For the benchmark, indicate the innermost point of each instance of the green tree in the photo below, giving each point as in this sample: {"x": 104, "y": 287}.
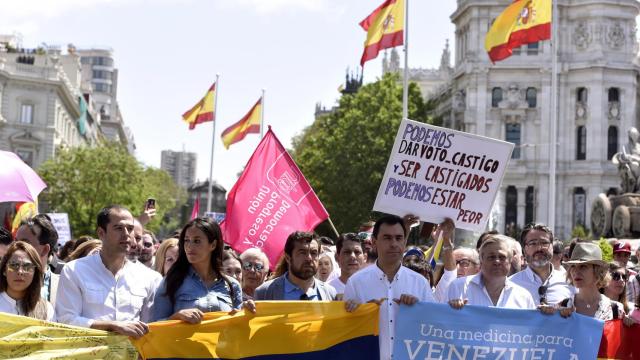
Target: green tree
{"x": 81, "y": 181}
{"x": 344, "y": 154}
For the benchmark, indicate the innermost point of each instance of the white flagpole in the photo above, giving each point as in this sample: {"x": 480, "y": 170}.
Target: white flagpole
{"x": 262, "y": 116}
{"x": 553, "y": 132}
{"x": 213, "y": 142}
{"x": 405, "y": 80}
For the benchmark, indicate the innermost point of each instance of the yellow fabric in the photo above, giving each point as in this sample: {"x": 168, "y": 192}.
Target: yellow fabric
{"x": 26, "y": 338}
{"x": 251, "y": 119}
{"x": 26, "y": 211}
{"x": 278, "y": 327}
{"x": 520, "y": 15}
{"x": 204, "y": 106}
{"x": 389, "y": 20}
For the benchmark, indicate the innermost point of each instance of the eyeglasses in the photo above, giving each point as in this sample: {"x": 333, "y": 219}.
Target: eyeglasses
{"x": 464, "y": 263}
{"x": 616, "y": 276}
{"x": 27, "y": 267}
{"x": 542, "y": 243}
{"x": 542, "y": 291}
{"x": 255, "y": 266}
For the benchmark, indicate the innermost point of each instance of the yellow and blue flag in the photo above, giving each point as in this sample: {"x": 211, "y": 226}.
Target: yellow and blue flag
{"x": 303, "y": 330}
{"x": 432, "y": 254}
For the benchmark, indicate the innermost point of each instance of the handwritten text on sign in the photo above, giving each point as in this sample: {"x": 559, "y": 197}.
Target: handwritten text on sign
{"x": 436, "y": 173}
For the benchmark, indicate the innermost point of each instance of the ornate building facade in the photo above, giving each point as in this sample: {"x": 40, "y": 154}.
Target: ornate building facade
{"x": 510, "y": 100}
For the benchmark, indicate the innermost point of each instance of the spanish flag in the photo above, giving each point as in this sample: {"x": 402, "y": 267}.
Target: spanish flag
{"x": 523, "y": 22}
{"x": 203, "y": 111}
{"x": 384, "y": 27}
{"x": 249, "y": 124}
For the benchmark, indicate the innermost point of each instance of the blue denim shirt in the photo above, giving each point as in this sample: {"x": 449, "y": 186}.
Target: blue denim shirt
{"x": 194, "y": 294}
{"x": 293, "y": 292}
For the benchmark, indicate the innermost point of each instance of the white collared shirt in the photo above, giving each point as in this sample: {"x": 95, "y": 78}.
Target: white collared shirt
{"x": 338, "y": 285}
{"x": 557, "y": 287}
{"x": 88, "y": 291}
{"x": 10, "y": 306}
{"x": 472, "y": 288}
{"x": 371, "y": 283}
{"x": 441, "y": 291}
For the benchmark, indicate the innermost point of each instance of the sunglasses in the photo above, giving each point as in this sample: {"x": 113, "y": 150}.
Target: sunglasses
{"x": 249, "y": 265}
{"x": 616, "y": 276}
{"x": 542, "y": 291}
{"x": 27, "y": 267}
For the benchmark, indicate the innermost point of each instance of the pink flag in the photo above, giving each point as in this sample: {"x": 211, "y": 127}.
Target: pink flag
{"x": 196, "y": 208}
{"x": 271, "y": 200}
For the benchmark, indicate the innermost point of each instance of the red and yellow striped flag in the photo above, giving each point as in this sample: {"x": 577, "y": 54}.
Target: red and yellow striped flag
{"x": 384, "y": 27}
{"x": 249, "y": 124}
{"x": 203, "y": 111}
{"x": 522, "y": 22}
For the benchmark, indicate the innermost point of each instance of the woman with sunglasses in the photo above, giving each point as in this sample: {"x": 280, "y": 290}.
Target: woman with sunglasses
{"x": 196, "y": 284}
{"x": 255, "y": 266}
{"x": 20, "y": 282}
{"x": 616, "y": 289}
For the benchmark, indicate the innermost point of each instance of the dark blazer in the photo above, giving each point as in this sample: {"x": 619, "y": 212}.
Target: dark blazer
{"x": 274, "y": 290}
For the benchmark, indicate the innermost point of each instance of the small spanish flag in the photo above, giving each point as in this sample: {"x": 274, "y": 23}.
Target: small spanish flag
{"x": 249, "y": 124}
{"x": 384, "y": 27}
{"x": 522, "y": 22}
{"x": 203, "y": 111}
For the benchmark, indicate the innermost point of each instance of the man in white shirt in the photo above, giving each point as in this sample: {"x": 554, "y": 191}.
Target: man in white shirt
{"x": 546, "y": 285}
{"x": 387, "y": 282}
{"x": 351, "y": 258}
{"x": 106, "y": 291}
{"x": 490, "y": 287}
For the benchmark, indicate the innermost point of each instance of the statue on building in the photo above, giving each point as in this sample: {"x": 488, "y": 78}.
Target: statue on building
{"x": 619, "y": 215}
{"x": 628, "y": 162}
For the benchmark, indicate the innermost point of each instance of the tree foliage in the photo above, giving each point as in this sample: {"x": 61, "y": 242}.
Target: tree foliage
{"x": 344, "y": 154}
{"x": 81, "y": 181}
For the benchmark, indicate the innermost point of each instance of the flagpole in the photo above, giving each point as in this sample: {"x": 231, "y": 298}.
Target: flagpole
{"x": 405, "y": 81}
{"x": 333, "y": 227}
{"x": 213, "y": 142}
{"x": 262, "y": 116}
{"x": 553, "y": 132}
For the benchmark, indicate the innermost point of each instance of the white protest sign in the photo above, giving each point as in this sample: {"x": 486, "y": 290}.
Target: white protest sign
{"x": 61, "y": 223}
{"x": 436, "y": 173}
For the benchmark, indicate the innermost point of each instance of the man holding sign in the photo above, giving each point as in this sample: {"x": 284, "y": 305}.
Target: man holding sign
{"x": 388, "y": 283}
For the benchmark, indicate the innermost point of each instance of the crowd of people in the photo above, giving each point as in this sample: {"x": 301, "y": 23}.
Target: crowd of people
{"x": 126, "y": 278}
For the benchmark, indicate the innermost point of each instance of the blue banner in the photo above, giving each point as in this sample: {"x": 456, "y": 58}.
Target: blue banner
{"x": 436, "y": 331}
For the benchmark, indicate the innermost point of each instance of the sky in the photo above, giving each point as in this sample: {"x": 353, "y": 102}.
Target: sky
{"x": 168, "y": 53}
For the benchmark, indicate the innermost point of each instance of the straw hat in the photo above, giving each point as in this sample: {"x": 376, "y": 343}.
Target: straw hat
{"x": 586, "y": 253}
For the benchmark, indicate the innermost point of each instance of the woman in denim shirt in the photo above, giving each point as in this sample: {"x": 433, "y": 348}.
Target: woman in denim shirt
{"x": 195, "y": 284}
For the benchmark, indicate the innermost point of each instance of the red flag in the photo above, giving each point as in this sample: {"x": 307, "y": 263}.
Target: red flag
{"x": 271, "y": 200}
{"x": 196, "y": 208}
{"x": 619, "y": 342}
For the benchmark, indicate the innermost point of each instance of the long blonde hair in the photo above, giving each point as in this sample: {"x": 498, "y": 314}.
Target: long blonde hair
{"x": 161, "y": 254}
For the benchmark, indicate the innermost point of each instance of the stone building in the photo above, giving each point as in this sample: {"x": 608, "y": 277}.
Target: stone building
{"x": 181, "y": 165}
{"x": 510, "y": 100}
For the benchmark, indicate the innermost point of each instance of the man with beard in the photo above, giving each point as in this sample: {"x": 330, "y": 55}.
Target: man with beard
{"x": 546, "y": 285}
{"x": 136, "y": 242}
{"x": 147, "y": 248}
{"x": 301, "y": 253}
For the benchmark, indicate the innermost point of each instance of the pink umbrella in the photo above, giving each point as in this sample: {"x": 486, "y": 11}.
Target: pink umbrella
{"x": 18, "y": 182}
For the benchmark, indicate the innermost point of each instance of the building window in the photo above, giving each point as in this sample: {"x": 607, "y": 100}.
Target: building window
{"x": 26, "y": 114}
{"x": 532, "y": 48}
{"x": 614, "y": 95}
{"x": 100, "y": 87}
{"x": 579, "y": 207}
{"x": 612, "y": 142}
{"x": 581, "y": 95}
{"x": 532, "y": 97}
{"x": 511, "y": 208}
{"x": 581, "y": 143}
{"x": 529, "y": 209}
{"x": 26, "y": 156}
{"x": 513, "y": 136}
{"x": 101, "y": 74}
{"x": 496, "y": 97}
